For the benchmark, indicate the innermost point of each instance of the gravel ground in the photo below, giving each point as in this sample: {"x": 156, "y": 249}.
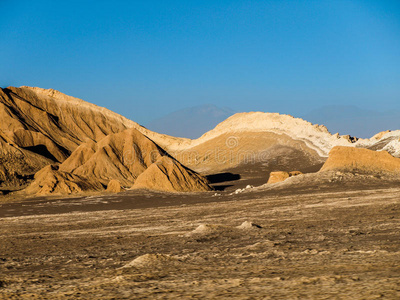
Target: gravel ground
{"x": 317, "y": 244}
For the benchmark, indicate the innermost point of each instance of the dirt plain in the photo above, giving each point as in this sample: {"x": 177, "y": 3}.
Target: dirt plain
{"x": 329, "y": 241}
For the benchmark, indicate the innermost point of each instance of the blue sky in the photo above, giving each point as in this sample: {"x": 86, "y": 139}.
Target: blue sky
{"x": 144, "y": 59}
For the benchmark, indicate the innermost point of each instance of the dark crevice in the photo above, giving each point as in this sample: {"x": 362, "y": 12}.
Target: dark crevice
{"x": 41, "y": 150}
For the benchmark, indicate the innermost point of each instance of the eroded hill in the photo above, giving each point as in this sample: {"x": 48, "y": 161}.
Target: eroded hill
{"x": 82, "y": 141}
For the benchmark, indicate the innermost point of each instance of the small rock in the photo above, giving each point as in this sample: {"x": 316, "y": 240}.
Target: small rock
{"x": 248, "y": 225}
{"x": 114, "y": 186}
{"x": 149, "y": 260}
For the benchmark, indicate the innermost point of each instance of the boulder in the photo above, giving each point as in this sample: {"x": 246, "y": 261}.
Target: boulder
{"x": 114, "y": 186}
{"x": 280, "y": 176}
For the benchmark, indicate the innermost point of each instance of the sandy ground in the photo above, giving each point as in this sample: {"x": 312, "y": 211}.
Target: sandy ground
{"x": 315, "y": 244}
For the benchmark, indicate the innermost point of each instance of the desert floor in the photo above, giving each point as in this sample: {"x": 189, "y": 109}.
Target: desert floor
{"x": 316, "y": 243}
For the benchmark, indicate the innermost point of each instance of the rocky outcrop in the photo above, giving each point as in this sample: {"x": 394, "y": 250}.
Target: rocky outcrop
{"x": 114, "y": 187}
{"x": 121, "y": 156}
{"x": 40, "y": 127}
{"x": 167, "y": 174}
{"x": 349, "y": 159}
{"x": 280, "y": 176}
{"x": 17, "y": 165}
{"x": 131, "y": 158}
{"x": 51, "y": 181}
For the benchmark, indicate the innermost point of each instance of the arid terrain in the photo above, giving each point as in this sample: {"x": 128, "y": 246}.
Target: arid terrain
{"x": 339, "y": 243}
{"x": 264, "y": 206}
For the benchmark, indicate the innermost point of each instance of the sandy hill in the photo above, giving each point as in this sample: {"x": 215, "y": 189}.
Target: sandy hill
{"x": 39, "y": 127}
{"x": 349, "y": 159}
{"x": 167, "y": 174}
{"x": 129, "y": 157}
{"x": 257, "y": 136}
{"x": 250, "y": 138}
{"x": 121, "y": 156}
{"x": 45, "y": 127}
{"x": 345, "y": 167}
{"x": 51, "y": 181}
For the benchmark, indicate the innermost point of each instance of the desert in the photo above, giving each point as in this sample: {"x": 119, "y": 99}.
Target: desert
{"x": 200, "y": 150}
{"x": 263, "y": 206}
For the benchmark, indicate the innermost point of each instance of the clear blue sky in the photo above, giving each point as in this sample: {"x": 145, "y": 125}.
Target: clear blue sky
{"x": 144, "y": 59}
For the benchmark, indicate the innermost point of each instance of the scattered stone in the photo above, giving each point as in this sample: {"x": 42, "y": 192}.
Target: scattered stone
{"x": 206, "y": 229}
{"x": 147, "y": 260}
{"x": 248, "y": 225}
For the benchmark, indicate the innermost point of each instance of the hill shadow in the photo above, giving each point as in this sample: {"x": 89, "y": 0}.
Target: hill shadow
{"x": 217, "y": 179}
{"x": 222, "y": 177}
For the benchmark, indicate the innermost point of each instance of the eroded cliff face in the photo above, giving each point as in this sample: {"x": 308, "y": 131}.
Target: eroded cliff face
{"x": 42, "y": 127}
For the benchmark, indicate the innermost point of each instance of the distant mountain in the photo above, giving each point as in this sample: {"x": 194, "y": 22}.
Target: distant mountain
{"x": 191, "y": 122}
{"x": 353, "y": 120}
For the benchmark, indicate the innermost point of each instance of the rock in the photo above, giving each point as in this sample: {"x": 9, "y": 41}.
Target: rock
{"x": 248, "y": 225}
{"x": 349, "y": 159}
{"x": 50, "y": 180}
{"x": 294, "y": 173}
{"x": 280, "y": 176}
{"x": 114, "y": 186}
{"x": 238, "y": 191}
{"x": 121, "y": 156}
{"x": 167, "y": 174}
{"x": 150, "y": 260}
{"x": 205, "y": 229}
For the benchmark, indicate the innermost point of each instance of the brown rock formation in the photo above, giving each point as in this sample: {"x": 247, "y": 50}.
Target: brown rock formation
{"x": 130, "y": 157}
{"x": 17, "y": 165}
{"x": 348, "y": 159}
{"x": 121, "y": 156}
{"x": 40, "y": 127}
{"x": 50, "y": 180}
{"x": 167, "y": 174}
{"x": 280, "y": 176}
{"x": 114, "y": 186}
